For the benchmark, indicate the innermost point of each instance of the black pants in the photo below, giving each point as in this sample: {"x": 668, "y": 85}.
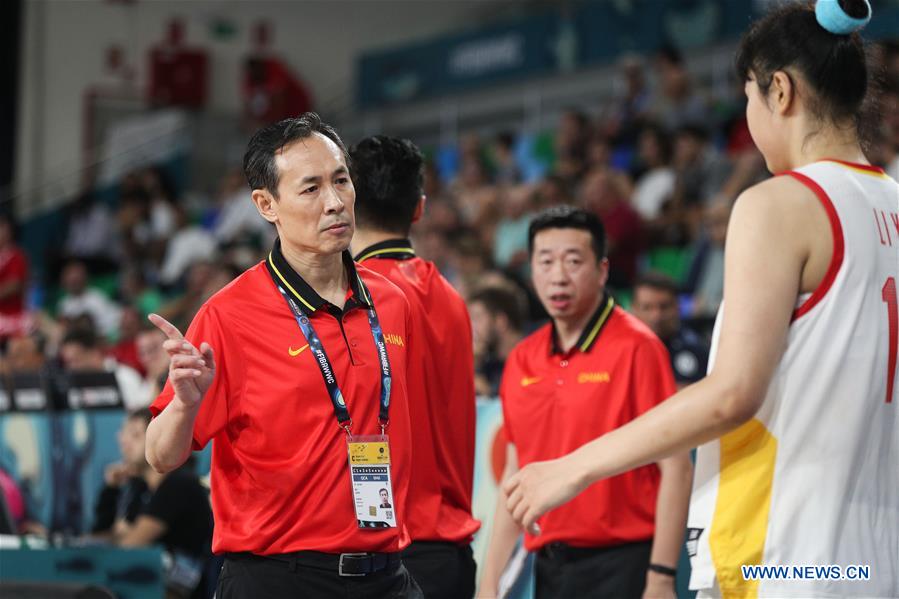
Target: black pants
{"x": 442, "y": 570}
{"x": 246, "y": 576}
{"x": 609, "y": 572}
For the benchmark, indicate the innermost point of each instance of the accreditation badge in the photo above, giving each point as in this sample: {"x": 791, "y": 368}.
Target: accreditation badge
{"x": 372, "y": 488}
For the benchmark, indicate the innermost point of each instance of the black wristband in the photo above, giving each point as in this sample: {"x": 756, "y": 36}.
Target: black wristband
{"x": 660, "y": 569}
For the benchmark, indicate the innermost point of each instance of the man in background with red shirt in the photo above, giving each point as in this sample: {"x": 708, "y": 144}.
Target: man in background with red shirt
{"x": 592, "y": 369}
{"x": 387, "y": 173}
{"x": 13, "y": 280}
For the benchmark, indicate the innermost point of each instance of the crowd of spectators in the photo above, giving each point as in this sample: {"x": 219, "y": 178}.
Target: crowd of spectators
{"x": 661, "y": 165}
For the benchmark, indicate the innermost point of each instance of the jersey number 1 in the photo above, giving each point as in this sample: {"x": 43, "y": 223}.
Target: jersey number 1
{"x": 889, "y": 296}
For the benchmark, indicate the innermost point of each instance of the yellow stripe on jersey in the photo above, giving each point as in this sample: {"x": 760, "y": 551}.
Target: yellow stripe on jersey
{"x": 386, "y": 251}
{"x": 740, "y": 522}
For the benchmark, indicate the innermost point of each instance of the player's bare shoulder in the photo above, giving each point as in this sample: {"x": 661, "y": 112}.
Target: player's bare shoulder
{"x": 781, "y": 204}
{"x": 783, "y": 194}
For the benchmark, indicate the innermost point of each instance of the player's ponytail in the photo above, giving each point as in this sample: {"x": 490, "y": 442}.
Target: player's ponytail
{"x": 822, "y": 44}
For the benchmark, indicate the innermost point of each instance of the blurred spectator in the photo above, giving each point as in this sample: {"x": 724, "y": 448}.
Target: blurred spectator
{"x": 470, "y": 148}
{"x": 162, "y": 218}
{"x": 134, "y": 290}
{"x": 188, "y": 244}
{"x": 471, "y": 267}
{"x": 475, "y": 197}
{"x": 237, "y": 219}
{"x": 655, "y": 302}
{"x": 624, "y": 231}
{"x": 154, "y": 361}
{"x": 91, "y": 236}
{"x": 81, "y": 299}
{"x": 497, "y": 323}
{"x": 125, "y": 349}
{"x": 553, "y": 191}
{"x": 17, "y": 506}
{"x": 139, "y": 507}
{"x": 132, "y": 220}
{"x": 505, "y": 169}
{"x": 441, "y": 215}
{"x": 572, "y": 135}
{"x": 26, "y": 353}
{"x": 656, "y": 183}
{"x": 599, "y": 157}
{"x": 432, "y": 186}
{"x": 433, "y": 245}
{"x": 13, "y": 280}
{"x": 599, "y": 152}
{"x": 571, "y": 141}
{"x": 222, "y": 274}
{"x": 633, "y": 103}
{"x": 510, "y": 240}
{"x": 180, "y": 310}
{"x": 146, "y": 217}
{"x": 13, "y": 500}
{"x": 701, "y": 170}
{"x": 81, "y": 351}
{"x": 706, "y": 276}
{"x": 677, "y": 104}
{"x": 203, "y": 280}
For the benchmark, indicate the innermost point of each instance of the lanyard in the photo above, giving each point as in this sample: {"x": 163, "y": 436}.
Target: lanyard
{"x": 324, "y": 364}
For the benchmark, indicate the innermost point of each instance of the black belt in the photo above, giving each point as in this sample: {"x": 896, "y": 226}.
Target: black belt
{"x": 562, "y": 552}
{"x": 345, "y": 564}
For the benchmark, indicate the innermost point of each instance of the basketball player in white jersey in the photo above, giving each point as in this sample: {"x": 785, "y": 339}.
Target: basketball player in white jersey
{"x": 797, "y": 422}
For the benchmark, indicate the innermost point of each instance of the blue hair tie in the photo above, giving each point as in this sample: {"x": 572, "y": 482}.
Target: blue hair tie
{"x": 834, "y": 19}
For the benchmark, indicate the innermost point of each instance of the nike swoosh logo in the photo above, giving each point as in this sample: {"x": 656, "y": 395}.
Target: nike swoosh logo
{"x": 528, "y": 381}
{"x": 296, "y": 352}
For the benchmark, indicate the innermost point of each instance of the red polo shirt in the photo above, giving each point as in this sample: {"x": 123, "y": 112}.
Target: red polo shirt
{"x": 441, "y": 395}
{"x": 553, "y": 403}
{"x": 280, "y": 479}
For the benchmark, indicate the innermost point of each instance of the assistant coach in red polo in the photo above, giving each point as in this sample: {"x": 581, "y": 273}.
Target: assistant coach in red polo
{"x": 592, "y": 369}
{"x": 387, "y": 173}
{"x": 288, "y": 370}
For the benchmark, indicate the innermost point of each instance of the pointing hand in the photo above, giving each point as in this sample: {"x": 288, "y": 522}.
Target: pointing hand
{"x": 191, "y": 370}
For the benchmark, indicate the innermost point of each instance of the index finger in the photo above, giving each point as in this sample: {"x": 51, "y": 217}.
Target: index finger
{"x": 170, "y": 330}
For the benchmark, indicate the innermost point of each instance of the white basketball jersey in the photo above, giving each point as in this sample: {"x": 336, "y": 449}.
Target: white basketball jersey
{"x": 813, "y": 479}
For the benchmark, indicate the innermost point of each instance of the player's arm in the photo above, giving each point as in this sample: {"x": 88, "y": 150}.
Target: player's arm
{"x": 671, "y": 521}
{"x": 503, "y": 536}
{"x": 170, "y": 434}
{"x": 767, "y": 248}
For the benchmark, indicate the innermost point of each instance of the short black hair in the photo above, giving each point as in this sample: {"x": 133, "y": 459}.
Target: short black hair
{"x": 505, "y": 301}
{"x": 388, "y": 174}
{"x": 569, "y": 217}
{"x": 657, "y": 280}
{"x": 259, "y": 161}
{"x": 833, "y": 65}
{"x": 83, "y": 336}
